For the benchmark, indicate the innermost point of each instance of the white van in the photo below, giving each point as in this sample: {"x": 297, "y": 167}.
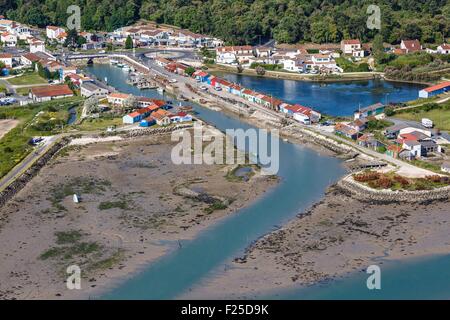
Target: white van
{"x": 427, "y": 123}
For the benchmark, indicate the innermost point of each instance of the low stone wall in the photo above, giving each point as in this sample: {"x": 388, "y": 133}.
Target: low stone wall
{"x": 30, "y": 173}
{"x": 156, "y": 131}
{"x": 365, "y": 193}
{"x": 328, "y": 143}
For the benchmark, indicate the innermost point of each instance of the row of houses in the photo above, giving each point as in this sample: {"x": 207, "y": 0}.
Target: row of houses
{"x": 149, "y": 34}
{"x": 302, "y": 114}
{"x": 432, "y": 91}
{"x": 296, "y": 60}
{"x": 148, "y": 111}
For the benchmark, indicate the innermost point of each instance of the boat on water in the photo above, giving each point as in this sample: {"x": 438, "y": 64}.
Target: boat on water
{"x": 126, "y": 68}
{"x": 112, "y": 61}
{"x": 160, "y": 90}
{"x": 120, "y": 65}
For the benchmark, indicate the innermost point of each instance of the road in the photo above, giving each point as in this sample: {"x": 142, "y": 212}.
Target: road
{"x": 27, "y": 162}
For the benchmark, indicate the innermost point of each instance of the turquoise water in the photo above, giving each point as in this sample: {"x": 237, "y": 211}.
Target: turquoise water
{"x": 338, "y": 99}
{"x": 410, "y": 279}
{"x": 304, "y": 176}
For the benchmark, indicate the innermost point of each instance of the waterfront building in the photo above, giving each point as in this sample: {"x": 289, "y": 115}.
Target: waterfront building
{"x": 373, "y": 110}
{"x": 352, "y": 47}
{"x": 435, "y": 90}
{"x": 89, "y": 89}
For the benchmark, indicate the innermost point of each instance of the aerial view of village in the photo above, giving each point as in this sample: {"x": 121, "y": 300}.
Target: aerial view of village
{"x": 224, "y": 150}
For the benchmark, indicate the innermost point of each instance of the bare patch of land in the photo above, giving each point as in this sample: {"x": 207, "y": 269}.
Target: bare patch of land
{"x": 7, "y": 125}
{"x": 337, "y": 236}
{"x": 135, "y": 205}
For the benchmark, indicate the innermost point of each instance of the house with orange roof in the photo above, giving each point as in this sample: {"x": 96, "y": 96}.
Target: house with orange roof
{"x": 162, "y": 117}
{"x": 53, "y": 32}
{"x": 440, "y": 88}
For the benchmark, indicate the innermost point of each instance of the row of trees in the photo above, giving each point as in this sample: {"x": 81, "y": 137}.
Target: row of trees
{"x": 252, "y": 21}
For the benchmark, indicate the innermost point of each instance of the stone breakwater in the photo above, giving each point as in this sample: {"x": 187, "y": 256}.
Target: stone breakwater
{"x": 367, "y": 194}
{"x": 31, "y": 172}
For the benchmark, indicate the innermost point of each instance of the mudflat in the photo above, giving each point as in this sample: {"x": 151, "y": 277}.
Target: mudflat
{"x": 134, "y": 206}
{"x": 337, "y": 236}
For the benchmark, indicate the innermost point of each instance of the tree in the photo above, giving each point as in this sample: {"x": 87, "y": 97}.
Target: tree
{"x": 377, "y": 47}
{"x": 129, "y": 43}
{"x": 91, "y": 105}
{"x": 130, "y": 103}
{"x": 260, "y": 70}
{"x": 189, "y": 71}
{"x": 239, "y": 68}
{"x": 71, "y": 39}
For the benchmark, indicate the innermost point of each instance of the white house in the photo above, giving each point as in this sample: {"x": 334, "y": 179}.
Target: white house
{"x": 352, "y": 47}
{"x": 37, "y": 45}
{"x": 6, "y": 58}
{"x": 443, "y": 49}
{"x": 117, "y": 98}
{"x": 8, "y": 39}
{"x": 54, "y": 32}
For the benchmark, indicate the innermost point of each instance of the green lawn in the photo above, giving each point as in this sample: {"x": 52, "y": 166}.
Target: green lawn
{"x": 98, "y": 124}
{"x": 27, "y": 79}
{"x": 440, "y": 117}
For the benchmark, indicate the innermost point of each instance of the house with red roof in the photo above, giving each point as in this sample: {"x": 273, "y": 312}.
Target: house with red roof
{"x": 440, "y": 88}
{"x": 410, "y": 46}
{"x": 47, "y": 93}
{"x": 180, "y": 117}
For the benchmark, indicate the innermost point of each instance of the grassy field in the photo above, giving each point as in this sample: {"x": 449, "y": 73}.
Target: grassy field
{"x": 98, "y": 124}
{"x": 440, "y": 117}
{"x": 35, "y": 120}
{"x": 27, "y": 79}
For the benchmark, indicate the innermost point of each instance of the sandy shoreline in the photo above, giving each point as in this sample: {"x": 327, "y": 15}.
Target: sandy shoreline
{"x": 336, "y": 237}
{"x": 135, "y": 206}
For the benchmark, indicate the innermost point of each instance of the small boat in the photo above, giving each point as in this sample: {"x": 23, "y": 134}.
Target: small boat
{"x": 160, "y": 90}
{"x": 120, "y": 65}
{"x": 126, "y": 68}
{"x": 112, "y": 61}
